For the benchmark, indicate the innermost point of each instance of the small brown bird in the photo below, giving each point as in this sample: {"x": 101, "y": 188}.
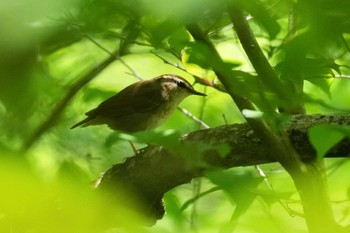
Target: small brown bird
{"x": 141, "y": 106}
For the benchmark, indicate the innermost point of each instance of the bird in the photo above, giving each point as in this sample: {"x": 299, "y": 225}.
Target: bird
{"x": 141, "y": 106}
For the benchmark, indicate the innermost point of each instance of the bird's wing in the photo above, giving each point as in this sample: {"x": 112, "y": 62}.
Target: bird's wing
{"x": 130, "y": 100}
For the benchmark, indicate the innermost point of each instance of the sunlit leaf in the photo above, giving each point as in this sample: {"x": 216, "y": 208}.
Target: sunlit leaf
{"x": 325, "y": 137}
{"x": 322, "y": 83}
{"x": 251, "y": 113}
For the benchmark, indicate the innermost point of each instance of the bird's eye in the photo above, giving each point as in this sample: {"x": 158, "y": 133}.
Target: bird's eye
{"x": 181, "y": 84}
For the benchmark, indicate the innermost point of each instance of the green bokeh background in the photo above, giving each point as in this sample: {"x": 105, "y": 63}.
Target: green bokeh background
{"x": 44, "y": 50}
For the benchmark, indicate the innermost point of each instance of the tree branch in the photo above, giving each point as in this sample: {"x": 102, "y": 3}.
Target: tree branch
{"x": 309, "y": 177}
{"x": 256, "y": 56}
{"x": 153, "y": 172}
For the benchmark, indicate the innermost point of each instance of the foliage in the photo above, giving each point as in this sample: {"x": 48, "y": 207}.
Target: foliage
{"x": 61, "y": 58}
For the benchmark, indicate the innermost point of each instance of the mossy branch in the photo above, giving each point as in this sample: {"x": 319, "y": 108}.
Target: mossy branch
{"x": 155, "y": 171}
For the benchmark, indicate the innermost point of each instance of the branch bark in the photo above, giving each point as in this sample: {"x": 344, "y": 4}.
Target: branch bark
{"x": 156, "y": 170}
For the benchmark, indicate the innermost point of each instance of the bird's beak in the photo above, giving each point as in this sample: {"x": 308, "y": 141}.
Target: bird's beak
{"x": 198, "y": 93}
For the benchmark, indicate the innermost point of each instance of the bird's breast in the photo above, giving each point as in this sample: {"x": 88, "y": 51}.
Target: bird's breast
{"x": 161, "y": 115}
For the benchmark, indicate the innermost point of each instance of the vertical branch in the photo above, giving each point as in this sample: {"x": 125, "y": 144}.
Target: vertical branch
{"x": 256, "y": 56}
{"x": 313, "y": 191}
{"x": 276, "y": 146}
{"x": 200, "y": 36}
{"x": 309, "y": 178}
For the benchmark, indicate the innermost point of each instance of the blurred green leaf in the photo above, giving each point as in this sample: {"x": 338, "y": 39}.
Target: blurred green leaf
{"x": 173, "y": 208}
{"x": 325, "y": 137}
{"x": 262, "y": 16}
{"x": 179, "y": 40}
{"x": 166, "y": 138}
{"x": 322, "y": 83}
{"x": 200, "y": 54}
{"x": 129, "y": 34}
{"x": 28, "y": 203}
{"x": 238, "y": 185}
{"x": 223, "y": 149}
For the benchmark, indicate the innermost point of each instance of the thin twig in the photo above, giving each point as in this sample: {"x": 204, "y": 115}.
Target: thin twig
{"x": 196, "y": 119}
{"x": 270, "y": 187}
{"x": 197, "y": 79}
{"x": 342, "y": 76}
{"x": 168, "y": 62}
{"x": 225, "y": 119}
{"x": 196, "y": 188}
{"x": 200, "y": 195}
{"x": 133, "y": 72}
{"x": 345, "y": 43}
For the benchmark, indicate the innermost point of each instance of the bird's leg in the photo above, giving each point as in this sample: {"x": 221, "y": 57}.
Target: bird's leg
{"x": 133, "y": 148}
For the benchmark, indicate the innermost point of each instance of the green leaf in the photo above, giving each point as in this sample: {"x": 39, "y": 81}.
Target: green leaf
{"x": 262, "y": 16}
{"x": 174, "y": 208}
{"x": 223, "y": 150}
{"x": 237, "y": 184}
{"x": 323, "y": 84}
{"x": 325, "y": 137}
{"x": 167, "y": 138}
{"x": 253, "y": 114}
{"x": 178, "y": 40}
{"x": 200, "y": 54}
